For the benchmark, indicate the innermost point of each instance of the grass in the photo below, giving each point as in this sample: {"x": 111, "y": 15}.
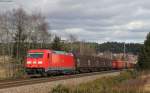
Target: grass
{"x": 126, "y": 82}
{"x": 11, "y": 70}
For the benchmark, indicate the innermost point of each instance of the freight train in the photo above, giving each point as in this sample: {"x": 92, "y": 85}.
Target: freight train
{"x": 48, "y": 62}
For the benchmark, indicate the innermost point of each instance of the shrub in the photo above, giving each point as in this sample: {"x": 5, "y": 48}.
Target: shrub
{"x": 60, "y": 89}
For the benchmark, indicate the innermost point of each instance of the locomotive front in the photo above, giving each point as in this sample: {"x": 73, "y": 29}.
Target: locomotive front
{"x": 36, "y": 61}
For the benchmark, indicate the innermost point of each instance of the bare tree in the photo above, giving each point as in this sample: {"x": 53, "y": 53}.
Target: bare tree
{"x": 5, "y": 35}
{"x": 27, "y": 30}
{"x": 87, "y": 48}
{"x": 19, "y": 31}
{"x": 5, "y": 41}
{"x": 23, "y": 29}
{"x": 72, "y": 39}
{"x": 39, "y": 30}
{"x": 19, "y": 22}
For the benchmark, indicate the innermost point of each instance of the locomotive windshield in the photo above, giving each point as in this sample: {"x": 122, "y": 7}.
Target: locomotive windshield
{"x": 35, "y": 55}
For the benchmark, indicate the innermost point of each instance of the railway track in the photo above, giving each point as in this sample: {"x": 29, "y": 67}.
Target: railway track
{"x": 21, "y": 82}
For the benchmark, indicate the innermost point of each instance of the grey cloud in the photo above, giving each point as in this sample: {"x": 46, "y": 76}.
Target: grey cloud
{"x": 99, "y": 20}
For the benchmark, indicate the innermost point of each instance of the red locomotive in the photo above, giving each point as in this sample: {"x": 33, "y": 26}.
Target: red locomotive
{"x": 46, "y": 62}
{"x": 41, "y": 61}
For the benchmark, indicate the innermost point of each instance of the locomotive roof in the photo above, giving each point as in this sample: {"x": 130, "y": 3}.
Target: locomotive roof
{"x": 39, "y": 50}
{"x": 47, "y": 50}
{"x": 60, "y": 52}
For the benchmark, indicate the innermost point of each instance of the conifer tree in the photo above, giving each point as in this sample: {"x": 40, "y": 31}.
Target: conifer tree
{"x": 144, "y": 56}
{"x": 56, "y": 44}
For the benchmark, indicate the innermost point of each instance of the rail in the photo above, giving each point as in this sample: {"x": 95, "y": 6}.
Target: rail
{"x": 21, "y": 82}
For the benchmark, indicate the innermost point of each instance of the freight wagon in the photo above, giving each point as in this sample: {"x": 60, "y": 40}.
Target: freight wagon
{"x": 91, "y": 63}
{"x": 118, "y": 64}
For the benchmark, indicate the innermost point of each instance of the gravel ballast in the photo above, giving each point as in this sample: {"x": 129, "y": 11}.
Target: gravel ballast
{"x": 46, "y": 87}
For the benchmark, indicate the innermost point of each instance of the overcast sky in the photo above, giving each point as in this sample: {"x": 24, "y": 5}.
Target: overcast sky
{"x": 92, "y": 20}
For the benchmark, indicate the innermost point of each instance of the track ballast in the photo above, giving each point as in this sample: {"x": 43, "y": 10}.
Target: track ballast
{"x": 22, "y": 82}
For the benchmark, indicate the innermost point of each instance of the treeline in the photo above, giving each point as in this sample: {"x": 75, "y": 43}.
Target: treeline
{"x": 116, "y": 47}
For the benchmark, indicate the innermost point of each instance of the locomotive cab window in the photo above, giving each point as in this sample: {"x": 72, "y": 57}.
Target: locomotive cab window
{"x": 35, "y": 55}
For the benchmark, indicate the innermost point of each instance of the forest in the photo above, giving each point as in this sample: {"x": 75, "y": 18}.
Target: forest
{"x": 118, "y": 47}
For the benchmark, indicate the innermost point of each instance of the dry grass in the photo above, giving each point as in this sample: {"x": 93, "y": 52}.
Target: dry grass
{"x": 146, "y": 77}
{"x": 6, "y": 59}
{"x": 9, "y": 67}
{"x": 7, "y": 71}
{"x": 127, "y": 82}
{"x": 130, "y": 86}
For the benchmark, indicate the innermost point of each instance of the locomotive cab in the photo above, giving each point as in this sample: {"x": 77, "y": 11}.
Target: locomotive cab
{"x": 37, "y": 61}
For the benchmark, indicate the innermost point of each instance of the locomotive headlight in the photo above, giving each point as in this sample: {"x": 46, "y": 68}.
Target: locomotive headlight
{"x": 28, "y": 62}
{"x": 40, "y": 62}
{"x": 34, "y": 62}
